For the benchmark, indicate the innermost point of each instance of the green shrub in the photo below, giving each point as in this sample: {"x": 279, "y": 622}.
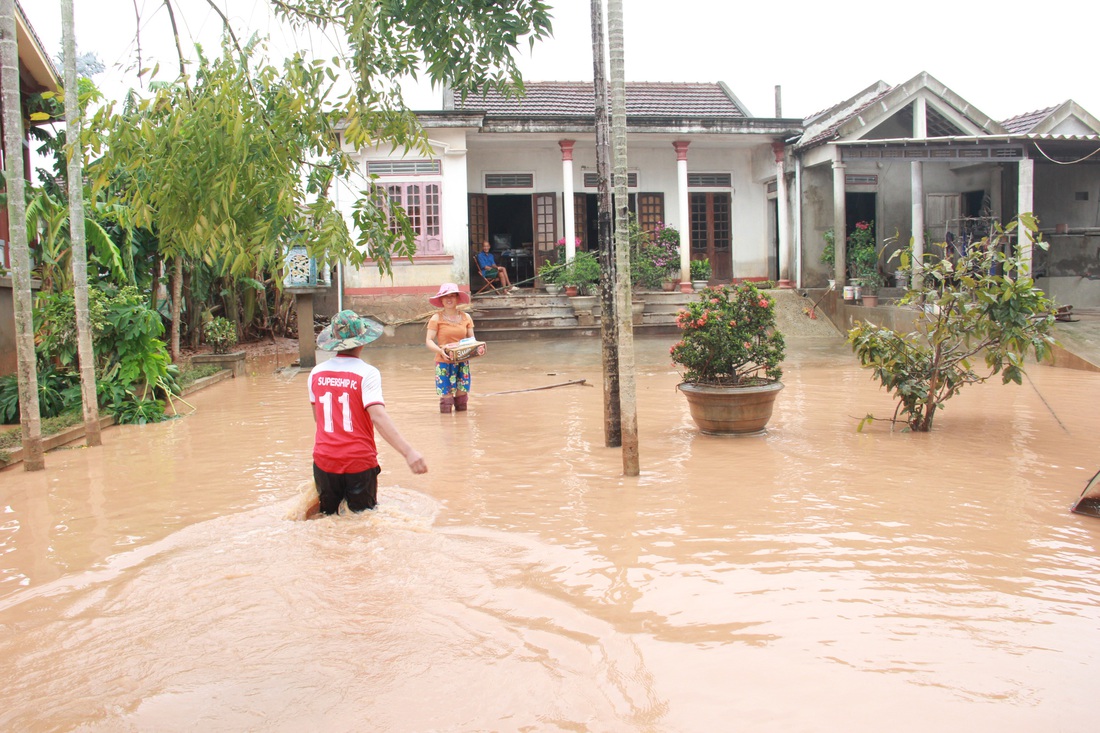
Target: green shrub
{"x": 220, "y": 333}
{"x": 700, "y": 269}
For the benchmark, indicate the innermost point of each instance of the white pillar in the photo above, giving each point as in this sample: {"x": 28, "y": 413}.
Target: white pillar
{"x": 1025, "y": 204}
{"x": 567, "y": 186}
{"x": 840, "y": 221}
{"x": 920, "y": 118}
{"x": 784, "y": 229}
{"x": 798, "y": 222}
{"x": 681, "y": 147}
{"x": 916, "y": 196}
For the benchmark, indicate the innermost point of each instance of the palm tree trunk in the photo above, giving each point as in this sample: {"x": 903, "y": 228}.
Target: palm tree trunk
{"x": 609, "y": 324}
{"x": 33, "y": 458}
{"x": 627, "y": 382}
{"x": 177, "y": 299}
{"x": 76, "y": 230}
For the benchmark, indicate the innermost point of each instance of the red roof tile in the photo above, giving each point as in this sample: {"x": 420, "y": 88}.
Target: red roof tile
{"x": 577, "y": 99}
{"x": 1025, "y": 123}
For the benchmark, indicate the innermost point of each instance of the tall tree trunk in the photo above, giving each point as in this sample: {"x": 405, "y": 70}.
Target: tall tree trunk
{"x": 76, "y": 231}
{"x": 33, "y": 457}
{"x": 177, "y": 295}
{"x": 627, "y": 382}
{"x": 609, "y": 324}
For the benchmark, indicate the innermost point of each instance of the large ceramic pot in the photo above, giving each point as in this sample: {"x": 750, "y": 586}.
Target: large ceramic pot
{"x": 731, "y": 410}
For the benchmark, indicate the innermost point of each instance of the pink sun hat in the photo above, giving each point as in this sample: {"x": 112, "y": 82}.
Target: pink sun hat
{"x": 448, "y": 289}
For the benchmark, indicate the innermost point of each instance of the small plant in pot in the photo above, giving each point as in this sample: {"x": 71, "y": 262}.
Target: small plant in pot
{"x": 870, "y": 282}
{"x": 220, "y": 333}
{"x": 582, "y": 272}
{"x": 700, "y": 273}
{"x": 730, "y": 351}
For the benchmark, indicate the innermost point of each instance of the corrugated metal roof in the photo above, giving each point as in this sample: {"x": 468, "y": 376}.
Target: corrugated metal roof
{"x": 1026, "y": 122}
{"x": 578, "y": 99}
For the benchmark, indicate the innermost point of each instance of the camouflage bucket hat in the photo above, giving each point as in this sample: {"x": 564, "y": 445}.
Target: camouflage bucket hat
{"x": 348, "y": 330}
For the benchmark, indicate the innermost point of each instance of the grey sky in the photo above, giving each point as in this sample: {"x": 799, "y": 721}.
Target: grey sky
{"x": 1004, "y": 58}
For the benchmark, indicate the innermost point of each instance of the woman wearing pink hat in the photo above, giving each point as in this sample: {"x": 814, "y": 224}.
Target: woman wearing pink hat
{"x": 452, "y": 379}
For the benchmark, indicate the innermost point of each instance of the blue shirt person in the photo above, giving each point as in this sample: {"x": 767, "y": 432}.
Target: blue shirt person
{"x": 490, "y": 270}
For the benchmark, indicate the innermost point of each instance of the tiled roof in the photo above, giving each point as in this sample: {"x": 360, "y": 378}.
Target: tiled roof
{"x": 577, "y": 99}
{"x": 830, "y": 132}
{"x": 1024, "y": 123}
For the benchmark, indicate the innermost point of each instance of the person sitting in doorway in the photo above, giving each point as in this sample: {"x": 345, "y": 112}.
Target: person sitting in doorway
{"x": 490, "y": 270}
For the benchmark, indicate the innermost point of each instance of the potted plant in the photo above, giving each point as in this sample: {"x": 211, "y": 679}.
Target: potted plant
{"x": 700, "y": 274}
{"x": 730, "y": 351}
{"x": 828, "y": 255}
{"x": 583, "y": 271}
{"x": 861, "y": 254}
{"x": 551, "y": 275}
{"x": 870, "y": 282}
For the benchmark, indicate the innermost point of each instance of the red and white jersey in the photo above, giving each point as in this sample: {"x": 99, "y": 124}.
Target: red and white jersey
{"x": 340, "y": 391}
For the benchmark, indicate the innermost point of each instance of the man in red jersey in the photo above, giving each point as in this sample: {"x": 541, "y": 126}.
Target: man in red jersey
{"x": 346, "y": 395}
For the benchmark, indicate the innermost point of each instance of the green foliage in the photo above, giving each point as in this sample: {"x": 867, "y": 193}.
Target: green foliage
{"x": 984, "y": 304}
{"x": 53, "y": 385}
{"x": 860, "y": 255}
{"x": 139, "y": 411}
{"x": 654, "y": 255}
{"x": 553, "y": 270}
{"x": 583, "y": 270}
{"x": 729, "y": 337}
{"x": 828, "y": 254}
{"x": 125, "y": 338}
{"x": 700, "y": 269}
{"x": 220, "y": 333}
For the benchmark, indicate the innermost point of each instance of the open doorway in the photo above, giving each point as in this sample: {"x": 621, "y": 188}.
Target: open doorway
{"x": 858, "y": 207}
{"x": 511, "y": 232}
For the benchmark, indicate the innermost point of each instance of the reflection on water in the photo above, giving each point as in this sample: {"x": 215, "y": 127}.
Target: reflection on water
{"x": 813, "y": 578}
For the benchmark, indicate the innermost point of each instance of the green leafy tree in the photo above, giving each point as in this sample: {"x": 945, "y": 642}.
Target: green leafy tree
{"x": 983, "y": 306}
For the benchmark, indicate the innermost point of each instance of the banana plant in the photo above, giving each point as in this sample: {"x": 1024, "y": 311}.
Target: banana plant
{"x": 48, "y": 224}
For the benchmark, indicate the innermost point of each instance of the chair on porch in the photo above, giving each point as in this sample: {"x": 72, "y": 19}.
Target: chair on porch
{"x": 478, "y": 278}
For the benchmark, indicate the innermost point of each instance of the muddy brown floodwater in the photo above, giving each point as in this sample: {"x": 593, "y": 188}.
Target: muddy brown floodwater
{"x": 810, "y": 579}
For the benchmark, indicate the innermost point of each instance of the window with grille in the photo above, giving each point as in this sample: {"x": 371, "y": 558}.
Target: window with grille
{"x": 592, "y": 180}
{"x": 422, "y": 203}
{"x": 509, "y": 180}
{"x": 710, "y": 180}
{"x": 402, "y": 167}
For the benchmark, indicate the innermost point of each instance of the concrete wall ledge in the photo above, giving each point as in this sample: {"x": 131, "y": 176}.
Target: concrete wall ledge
{"x": 76, "y": 432}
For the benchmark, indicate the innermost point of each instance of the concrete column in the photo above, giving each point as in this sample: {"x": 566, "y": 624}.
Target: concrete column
{"x": 920, "y": 118}
{"x": 1025, "y": 204}
{"x": 996, "y": 184}
{"x": 916, "y": 223}
{"x": 307, "y": 343}
{"x": 681, "y": 147}
{"x": 784, "y": 229}
{"x": 797, "y": 230}
{"x": 567, "y": 186}
{"x": 840, "y": 221}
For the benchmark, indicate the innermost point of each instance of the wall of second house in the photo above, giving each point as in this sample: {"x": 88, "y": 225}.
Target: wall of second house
{"x": 893, "y": 205}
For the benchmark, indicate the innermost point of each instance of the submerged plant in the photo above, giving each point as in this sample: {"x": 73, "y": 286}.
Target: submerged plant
{"x": 982, "y": 306}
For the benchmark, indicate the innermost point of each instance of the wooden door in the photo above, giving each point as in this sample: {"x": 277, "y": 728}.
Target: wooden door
{"x": 712, "y": 233}
{"x": 544, "y": 215}
{"x": 580, "y": 219}
{"x": 478, "y": 226}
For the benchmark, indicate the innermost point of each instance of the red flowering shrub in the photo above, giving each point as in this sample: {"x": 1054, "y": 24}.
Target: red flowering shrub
{"x": 728, "y": 337}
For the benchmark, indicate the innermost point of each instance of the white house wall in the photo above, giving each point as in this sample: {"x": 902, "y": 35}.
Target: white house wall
{"x": 449, "y": 146}
{"x": 655, "y": 166}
